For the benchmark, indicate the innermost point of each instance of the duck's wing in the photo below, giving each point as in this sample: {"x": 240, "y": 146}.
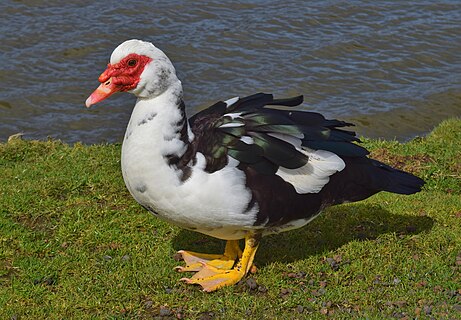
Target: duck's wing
{"x": 252, "y": 131}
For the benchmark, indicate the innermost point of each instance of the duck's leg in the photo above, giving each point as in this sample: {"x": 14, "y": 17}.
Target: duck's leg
{"x": 194, "y": 260}
{"x": 212, "y": 278}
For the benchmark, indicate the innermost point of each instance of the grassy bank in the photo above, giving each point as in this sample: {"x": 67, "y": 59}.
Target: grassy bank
{"x": 73, "y": 244}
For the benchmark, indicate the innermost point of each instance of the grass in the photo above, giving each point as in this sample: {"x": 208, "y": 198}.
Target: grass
{"x": 73, "y": 244}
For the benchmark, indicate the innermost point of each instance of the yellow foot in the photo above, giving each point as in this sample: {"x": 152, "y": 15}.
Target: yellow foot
{"x": 212, "y": 277}
{"x": 194, "y": 260}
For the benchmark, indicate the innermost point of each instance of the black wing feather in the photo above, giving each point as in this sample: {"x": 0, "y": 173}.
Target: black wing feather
{"x": 218, "y": 135}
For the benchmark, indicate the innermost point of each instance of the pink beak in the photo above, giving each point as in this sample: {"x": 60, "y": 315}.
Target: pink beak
{"x": 104, "y": 91}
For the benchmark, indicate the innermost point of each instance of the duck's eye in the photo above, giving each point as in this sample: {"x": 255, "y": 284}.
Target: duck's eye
{"x": 132, "y": 62}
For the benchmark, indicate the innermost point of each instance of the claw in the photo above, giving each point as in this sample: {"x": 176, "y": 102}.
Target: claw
{"x": 191, "y": 268}
{"x": 179, "y": 269}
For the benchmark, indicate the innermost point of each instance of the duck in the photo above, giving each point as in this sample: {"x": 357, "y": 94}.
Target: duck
{"x": 243, "y": 168}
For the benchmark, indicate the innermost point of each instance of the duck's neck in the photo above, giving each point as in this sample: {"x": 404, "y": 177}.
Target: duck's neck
{"x": 159, "y": 129}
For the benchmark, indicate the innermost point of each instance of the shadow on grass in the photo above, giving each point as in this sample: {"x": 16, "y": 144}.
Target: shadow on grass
{"x": 331, "y": 230}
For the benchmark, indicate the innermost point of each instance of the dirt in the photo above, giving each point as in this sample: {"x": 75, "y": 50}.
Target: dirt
{"x": 40, "y": 223}
{"x": 413, "y": 164}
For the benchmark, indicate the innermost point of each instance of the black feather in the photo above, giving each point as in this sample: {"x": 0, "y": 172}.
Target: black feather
{"x": 289, "y": 102}
{"x": 263, "y": 167}
{"x": 256, "y": 101}
{"x": 397, "y": 181}
{"x": 279, "y": 152}
{"x": 340, "y": 148}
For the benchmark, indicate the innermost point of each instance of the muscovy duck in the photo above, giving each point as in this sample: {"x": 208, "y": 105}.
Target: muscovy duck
{"x": 241, "y": 169}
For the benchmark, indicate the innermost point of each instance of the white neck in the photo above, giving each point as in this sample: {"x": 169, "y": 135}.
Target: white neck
{"x": 158, "y": 116}
{"x": 154, "y": 135}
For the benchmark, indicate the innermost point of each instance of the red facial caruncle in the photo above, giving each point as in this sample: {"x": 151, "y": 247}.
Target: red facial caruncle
{"x": 121, "y": 76}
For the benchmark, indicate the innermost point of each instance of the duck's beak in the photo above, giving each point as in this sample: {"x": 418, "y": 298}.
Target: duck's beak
{"x": 104, "y": 91}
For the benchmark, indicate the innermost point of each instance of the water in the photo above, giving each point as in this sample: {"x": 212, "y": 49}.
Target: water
{"x": 392, "y": 67}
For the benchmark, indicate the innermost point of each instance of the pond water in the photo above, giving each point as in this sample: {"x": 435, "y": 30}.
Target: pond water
{"x": 392, "y": 67}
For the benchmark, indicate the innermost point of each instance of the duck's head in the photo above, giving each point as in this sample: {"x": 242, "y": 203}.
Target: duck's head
{"x": 137, "y": 67}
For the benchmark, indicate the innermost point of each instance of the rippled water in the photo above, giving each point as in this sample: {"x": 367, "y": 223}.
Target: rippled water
{"x": 392, "y": 67}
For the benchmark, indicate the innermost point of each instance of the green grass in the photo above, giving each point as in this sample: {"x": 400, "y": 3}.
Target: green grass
{"x": 73, "y": 244}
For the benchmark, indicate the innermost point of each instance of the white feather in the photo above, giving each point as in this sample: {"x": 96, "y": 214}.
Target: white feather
{"x": 311, "y": 177}
{"x": 232, "y": 162}
{"x": 232, "y": 125}
{"x": 135, "y": 46}
{"x": 231, "y": 101}
{"x": 233, "y": 115}
{"x": 247, "y": 140}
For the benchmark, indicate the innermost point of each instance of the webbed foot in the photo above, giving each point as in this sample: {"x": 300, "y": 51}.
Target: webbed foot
{"x": 217, "y": 271}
